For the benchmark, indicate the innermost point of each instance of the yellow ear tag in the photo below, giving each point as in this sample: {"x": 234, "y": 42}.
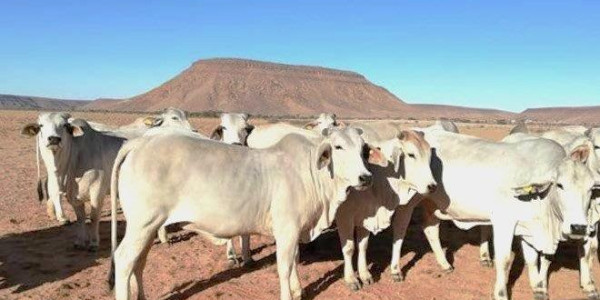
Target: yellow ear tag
{"x": 529, "y": 189}
{"x": 148, "y": 121}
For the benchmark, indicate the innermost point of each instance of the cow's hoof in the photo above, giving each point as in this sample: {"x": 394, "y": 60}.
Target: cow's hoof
{"x": 232, "y": 263}
{"x": 64, "y": 222}
{"x": 367, "y": 280}
{"x": 398, "y": 277}
{"x": 448, "y": 270}
{"x": 487, "y": 263}
{"x": 593, "y": 295}
{"x": 540, "y": 296}
{"x": 355, "y": 285}
{"x": 250, "y": 263}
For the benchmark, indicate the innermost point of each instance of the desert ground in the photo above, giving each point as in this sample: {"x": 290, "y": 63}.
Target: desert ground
{"x": 38, "y": 261}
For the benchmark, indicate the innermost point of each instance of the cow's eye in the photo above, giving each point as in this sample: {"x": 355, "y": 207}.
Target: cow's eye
{"x": 411, "y": 155}
{"x": 596, "y": 147}
{"x": 339, "y": 148}
{"x": 560, "y": 186}
{"x": 175, "y": 118}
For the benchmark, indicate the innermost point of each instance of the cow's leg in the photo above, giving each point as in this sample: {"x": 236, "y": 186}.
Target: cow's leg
{"x": 53, "y": 206}
{"x": 535, "y": 281}
{"x": 245, "y": 245}
{"x": 138, "y": 272}
{"x": 544, "y": 267}
{"x": 431, "y": 228}
{"x": 134, "y": 245}
{"x": 503, "y": 236}
{"x": 232, "y": 260}
{"x": 82, "y": 233}
{"x": 162, "y": 235}
{"x": 485, "y": 259}
{"x": 286, "y": 243}
{"x": 295, "y": 285}
{"x": 586, "y": 280}
{"x": 362, "y": 235}
{"x": 400, "y": 224}
{"x": 96, "y": 200}
{"x": 346, "y": 234}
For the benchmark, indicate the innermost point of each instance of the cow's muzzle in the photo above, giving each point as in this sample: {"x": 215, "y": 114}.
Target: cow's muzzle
{"x": 364, "y": 182}
{"x": 53, "y": 141}
{"x": 578, "y": 229}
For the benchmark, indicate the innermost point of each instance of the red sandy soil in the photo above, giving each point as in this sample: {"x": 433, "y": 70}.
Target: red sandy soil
{"x": 37, "y": 260}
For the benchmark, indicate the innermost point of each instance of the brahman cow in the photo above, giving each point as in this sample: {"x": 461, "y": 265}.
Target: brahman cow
{"x": 527, "y": 188}
{"x": 290, "y": 191}
{"x": 79, "y": 161}
{"x": 583, "y": 145}
{"x": 371, "y": 210}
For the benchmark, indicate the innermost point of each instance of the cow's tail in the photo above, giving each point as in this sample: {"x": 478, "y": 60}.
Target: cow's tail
{"x": 114, "y": 194}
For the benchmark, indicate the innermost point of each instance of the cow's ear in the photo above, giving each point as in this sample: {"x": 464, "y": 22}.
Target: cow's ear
{"x": 340, "y": 124}
{"x": 74, "y": 130}
{"x": 532, "y": 189}
{"x": 359, "y": 131}
{"x": 217, "y": 133}
{"x": 249, "y": 129}
{"x": 420, "y": 133}
{"x": 324, "y": 155}
{"x": 580, "y": 153}
{"x": 31, "y": 129}
{"x": 374, "y": 156}
{"x": 310, "y": 125}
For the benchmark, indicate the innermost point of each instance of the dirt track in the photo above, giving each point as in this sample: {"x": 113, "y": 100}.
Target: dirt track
{"x": 37, "y": 260}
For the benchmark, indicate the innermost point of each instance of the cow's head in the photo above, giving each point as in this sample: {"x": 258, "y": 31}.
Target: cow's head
{"x": 574, "y": 184}
{"x": 234, "y": 129}
{"x": 343, "y": 151}
{"x": 170, "y": 117}
{"x": 324, "y": 121}
{"x": 410, "y": 154}
{"x": 52, "y": 130}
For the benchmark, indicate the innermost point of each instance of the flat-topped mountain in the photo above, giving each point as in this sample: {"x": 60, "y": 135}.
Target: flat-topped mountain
{"x": 265, "y": 88}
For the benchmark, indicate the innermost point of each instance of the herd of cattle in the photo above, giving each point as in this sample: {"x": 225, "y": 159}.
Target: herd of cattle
{"x": 292, "y": 183}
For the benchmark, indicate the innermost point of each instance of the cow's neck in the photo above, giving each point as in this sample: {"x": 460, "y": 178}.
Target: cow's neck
{"x": 330, "y": 192}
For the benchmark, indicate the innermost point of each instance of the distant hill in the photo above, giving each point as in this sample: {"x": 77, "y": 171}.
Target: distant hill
{"x": 38, "y": 103}
{"x": 589, "y": 115}
{"x": 265, "y": 88}
{"x": 421, "y": 111}
{"x": 274, "y": 89}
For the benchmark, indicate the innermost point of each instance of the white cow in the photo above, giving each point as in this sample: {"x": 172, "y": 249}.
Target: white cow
{"x": 580, "y": 142}
{"x": 234, "y": 130}
{"x": 79, "y": 162}
{"x": 391, "y": 195}
{"x": 528, "y": 189}
{"x": 325, "y": 120}
{"x": 169, "y": 118}
{"x": 288, "y": 191}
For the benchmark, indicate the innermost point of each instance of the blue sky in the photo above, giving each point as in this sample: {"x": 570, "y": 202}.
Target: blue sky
{"x": 508, "y": 55}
